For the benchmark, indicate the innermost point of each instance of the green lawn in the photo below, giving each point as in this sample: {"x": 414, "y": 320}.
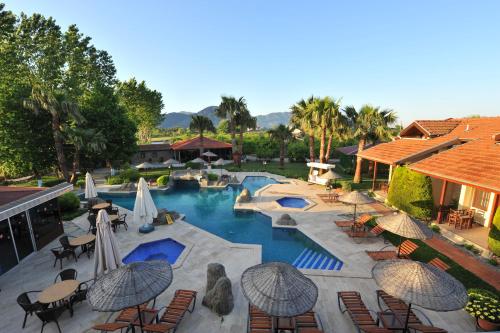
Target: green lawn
{"x": 48, "y": 181}
{"x": 154, "y": 173}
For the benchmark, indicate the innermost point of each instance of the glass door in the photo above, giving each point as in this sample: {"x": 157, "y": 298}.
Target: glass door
{"x": 8, "y": 258}
{"x": 22, "y": 235}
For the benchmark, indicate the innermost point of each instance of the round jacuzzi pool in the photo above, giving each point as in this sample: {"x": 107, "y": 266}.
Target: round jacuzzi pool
{"x": 292, "y": 202}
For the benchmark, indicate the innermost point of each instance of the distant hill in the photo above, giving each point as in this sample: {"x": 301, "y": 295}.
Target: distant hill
{"x": 183, "y": 118}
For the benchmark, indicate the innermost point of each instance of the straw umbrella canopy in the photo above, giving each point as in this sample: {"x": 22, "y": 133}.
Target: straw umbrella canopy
{"x": 330, "y": 175}
{"x": 355, "y": 198}
{"x": 420, "y": 284}
{"x": 107, "y": 256}
{"x": 279, "y": 289}
{"x": 144, "y": 207}
{"x": 405, "y": 226}
{"x": 170, "y": 161}
{"x": 130, "y": 285}
{"x": 90, "y": 191}
{"x": 198, "y": 160}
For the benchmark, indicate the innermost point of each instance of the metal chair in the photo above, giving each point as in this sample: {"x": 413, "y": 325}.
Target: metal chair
{"x": 67, "y": 274}
{"x": 51, "y": 315}
{"x": 79, "y": 296}
{"x": 27, "y": 305}
{"x": 60, "y": 253}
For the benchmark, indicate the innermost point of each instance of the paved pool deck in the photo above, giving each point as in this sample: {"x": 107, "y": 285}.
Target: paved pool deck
{"x": 36, "y": 271}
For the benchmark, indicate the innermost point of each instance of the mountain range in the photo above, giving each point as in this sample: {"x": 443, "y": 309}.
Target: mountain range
{"x": 183, "y": 118}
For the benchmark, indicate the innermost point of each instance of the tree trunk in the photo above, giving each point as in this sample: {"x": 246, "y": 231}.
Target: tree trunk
{"x": 76, "y": 166}
{"x": 240, "y": 147}
{"x": 328, "y": 148}
{"x": 58, "y": 144}
{"x": 201, "y": 144}
{"x": 282, "y": 155}
{"x": 311, "y": 147}
{"x": 322, "y": 146}
{"x": 359, "y": 161}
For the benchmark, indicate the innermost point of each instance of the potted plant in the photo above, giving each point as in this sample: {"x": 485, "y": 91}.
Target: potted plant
{"x": 484, "y": 306}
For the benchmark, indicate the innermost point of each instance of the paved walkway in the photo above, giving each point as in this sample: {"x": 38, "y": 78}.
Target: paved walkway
{"x": 467, "y": 261}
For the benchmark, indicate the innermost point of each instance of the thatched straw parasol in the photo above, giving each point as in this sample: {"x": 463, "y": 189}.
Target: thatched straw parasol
{"x": 170, "y": 161}
{"x": 130, "y": 285}
{"x": 405, "y": 226}
{"x": 355, "y": 198}
{"x": 279, "y": 289}
{"x": 420, "y": 284}
{"x": 330, "y": 175}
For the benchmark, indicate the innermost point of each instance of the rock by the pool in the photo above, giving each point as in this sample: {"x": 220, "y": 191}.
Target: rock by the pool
{"x": 214, "y": 272}
{"x": 220, "y": 298}
{"x": 244, "y": 196}
{"x": 286, "y": 219}
{"x": 146, "y": 228}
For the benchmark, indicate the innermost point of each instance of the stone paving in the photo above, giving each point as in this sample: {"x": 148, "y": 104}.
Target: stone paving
{"x": 36, "y": 272}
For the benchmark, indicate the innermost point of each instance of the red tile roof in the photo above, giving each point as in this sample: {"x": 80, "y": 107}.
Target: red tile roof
{"x": 154, "y": 147}
{"x": 195, "y": 143}
{"x": 351, "y": 150}
{"x": 12, "y": 193}
{"x": 432, "y": 128}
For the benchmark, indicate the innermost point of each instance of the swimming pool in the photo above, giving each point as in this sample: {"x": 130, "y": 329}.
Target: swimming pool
{"x": 292, "y": 202}
{"x": 163, "y": 249}
{"x": 212, "y": 210}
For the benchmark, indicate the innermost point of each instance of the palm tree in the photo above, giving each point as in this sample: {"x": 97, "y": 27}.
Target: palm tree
{"x": 369, "y": 123}
{"x": 281, "y": 134}
{"x": 43, "y": 100}
{"x": 302, "y": 117}
{"x": 228, "y": 109}
{"x": 201, "y": 124}
{"x": 337, "y": 124}
{"x": 244, "y": 120}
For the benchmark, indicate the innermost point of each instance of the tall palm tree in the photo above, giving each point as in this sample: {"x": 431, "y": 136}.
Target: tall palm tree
{"x": 337, "y": 124}
{"x": 369, "y": 123}
{"x": 228, "y": 109}
{"x": 302, "y": 117}
{"x": 44, "y": 101}
{"x": 201, "y": 124}
{"x": 244, "y": 120}
{"x": 282, "y": 135}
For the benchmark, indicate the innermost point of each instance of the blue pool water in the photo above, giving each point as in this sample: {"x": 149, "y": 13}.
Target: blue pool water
{"x": 164, "y": 249}
{"x": 212, "y": 210}
{"x": 292, "y": 202}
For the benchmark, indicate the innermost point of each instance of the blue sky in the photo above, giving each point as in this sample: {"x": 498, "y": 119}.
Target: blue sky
{"x": 424, "y": 59}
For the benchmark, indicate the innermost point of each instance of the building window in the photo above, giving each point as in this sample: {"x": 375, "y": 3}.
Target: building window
{"x": 22, "y": 235}
{"x": 46, "y": 222}
{"x": 155, "y": 154}
{"x": 8, "y": 258}
{"x": 481, "y": 199}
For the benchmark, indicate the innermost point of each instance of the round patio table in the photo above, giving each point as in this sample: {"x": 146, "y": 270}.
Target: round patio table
{"x": 102, "y": 205}
{"x": 58, "y": 291}
{"x": 82, "y": 241}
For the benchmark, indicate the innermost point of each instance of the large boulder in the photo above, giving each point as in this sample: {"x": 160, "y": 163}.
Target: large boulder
{"x": 244, "y": 196}
{"x": 220, "y": 298}
{"x": 286, "y": 219}
{"x": 214, "y": 272}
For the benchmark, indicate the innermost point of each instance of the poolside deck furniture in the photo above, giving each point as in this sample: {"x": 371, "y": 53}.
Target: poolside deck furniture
{"x": 403, "y": 251}
{"x": 80, "y": 294}
{"x": 183, "y": 301}
{"x": 359, "y": 313}
{"x": 67, "y": 274}
{"x": 58, "y": 291}
{"x": 465, "y": 220}
{"x": 51, "y": 315}
{"x": 439, "y": 264}
{"x": 119, "y": 221}
{"x": 27, "y": 305}
{"x": 376, "y": 230}
{"x": 83, "y": 242}
{"x": 258, "y": 321}
{"x": 60, "y": 253}
{"x": 362, "y": 220}
{"x": 400, "y": 310}
{"x": 124, "y": 320}
{"x": 92, "y": 223}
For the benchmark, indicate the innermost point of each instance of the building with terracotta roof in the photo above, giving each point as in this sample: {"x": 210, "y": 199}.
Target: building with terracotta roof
{"x": 189, "y": 149}
{"x": 29, "y": 220}
{"x": 462, "y": 157}
{"x": 152, "y": 153}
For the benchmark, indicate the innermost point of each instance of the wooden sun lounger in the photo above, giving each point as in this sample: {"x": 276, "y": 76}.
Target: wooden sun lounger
{"x": 258, "y": 321}
{"x": 362, "y": 220}
{"x": 360, "y": 315}
{"x": 376, "y": 230}
{"x": 400, "y": 308}
{"x": 439, "y": 264}
{"x": 124, "y": 319}
{"x": 183, "y": 301}
{"x": 405, "y": 249}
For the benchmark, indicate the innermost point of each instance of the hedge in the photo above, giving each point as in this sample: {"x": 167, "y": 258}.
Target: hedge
{"x": 212, "y": 177}
{"x": 126, "y": 176}
{"x": 411, "y": 192}
{"x": 162, "y": 180}
{"x": 69, "y": 202}
{"x": 494, "y": 235}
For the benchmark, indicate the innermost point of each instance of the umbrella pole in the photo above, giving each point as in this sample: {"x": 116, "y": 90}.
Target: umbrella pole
{"x": 399, "y": 246}
{"x": 140, "y": 318}
{"x": 407, "y": 318}
{"x": 354, "y": 213}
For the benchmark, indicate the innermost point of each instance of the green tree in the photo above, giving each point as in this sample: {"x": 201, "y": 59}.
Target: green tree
{"x": 142, "y": 105}
{"x": 369, "y": 123}
{"x": 228, "y": 109}
{"x": 201, "y": 124}
{"x": 303, "y": 118}
{"x": 223, "y": 127}
{"x": 282, "y": 135}
{"x": 494, "y": 234}
{"x": 245, "y": 121}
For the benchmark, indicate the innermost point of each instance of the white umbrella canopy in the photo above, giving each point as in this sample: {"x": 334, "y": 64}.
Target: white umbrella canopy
{"x": 219, "y": 162}
{"x": 145, "y": 165}
{"x": 209, "y": 154}
{"x": 107, "y": 256}
{"x": 144, "y": 207}
{"x": 171, "y": 161}
{"x": 90, "y": 191}
{"x": 197, "y": 160}
{"x": 405, "y": 226}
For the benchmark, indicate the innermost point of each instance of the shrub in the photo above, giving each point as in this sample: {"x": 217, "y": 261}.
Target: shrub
{"x": 346, "y": 185}
{"x": 411, "y": 192}
{"x": 129, "y": 175}
{"x": 114, "y": 180}
{"x": 483, "y": 304}
{"x": 212, "y": 177}
{"x": 494, "y": 235}
{"x": 52, "y": 182}
{"x": 80, "y": 183}
{"x": 69, "y": 202}
{"x": 435, "y": 228}
{"x": 162, "y": 180}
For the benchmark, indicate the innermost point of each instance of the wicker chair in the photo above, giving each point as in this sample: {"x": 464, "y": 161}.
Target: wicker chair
{"x": 92, "y": 218}
{"x": 27, "y": 305}
{"x": 67, "y": 274}
{"x": 60, "y": 253}
{"x": 64, "y": 240}
{"x": 122, "y": 220}
{"x": 80, "y": 295}
{"x": 51, "y": 315}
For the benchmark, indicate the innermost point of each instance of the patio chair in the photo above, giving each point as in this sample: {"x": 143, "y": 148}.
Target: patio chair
{"x": 80, "y": 294}
{"x": 125, "y": 319}
{"x": 362, "y": 220}
{"x": 64, "y": 240}
{"x": 405, "y": 250}
{"x": 454, "y": 216}
{"x": 258, "y": 321}
{"x": 92, "y": 218}
{"x": 466, "y": 219}
{"x": 67, "y": 274}
{"x": 60, "y": 253}
{"x": 183, "y": 301}
{"x": 439, "y": 264}
{"x": 359, "y": 313}
{"x": 400, "y": 309}
{"x": 51, "y": 315}
{"x": 122, "y": 220}
{"x": 27, "y": 305}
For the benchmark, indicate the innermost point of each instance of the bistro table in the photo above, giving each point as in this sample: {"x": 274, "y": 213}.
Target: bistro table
{"x": 102, "y": 205}
{"x": 82, "y": 241}
{"x": 58, "y": 291}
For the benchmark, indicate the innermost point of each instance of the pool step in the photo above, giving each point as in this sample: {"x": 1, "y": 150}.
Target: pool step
{"x": 310, "y": 259}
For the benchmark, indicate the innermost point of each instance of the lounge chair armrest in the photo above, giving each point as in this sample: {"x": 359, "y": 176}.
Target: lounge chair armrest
{"x": 416, "y": 310}
{"x": 385, "y": 247}
{"x": 319, "y": 320}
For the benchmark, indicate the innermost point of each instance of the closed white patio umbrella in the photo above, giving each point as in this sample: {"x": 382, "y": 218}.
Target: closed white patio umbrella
{"x": 90, "y": 191}
{"x": 145, "y": 165}
{"x": 107, "y": 256}
{"x": 171, "y": 161}
{"x": 209, "y": 154}
{"x": 144, "y": 207}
